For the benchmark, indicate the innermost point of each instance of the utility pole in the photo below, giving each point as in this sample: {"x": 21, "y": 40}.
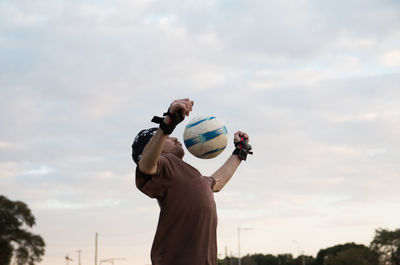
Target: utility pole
{"x": 79, "y": 256}
{"x": 239, "y": 258}
{"x": 239, "y": 261}
{"x": 95, "y": 250}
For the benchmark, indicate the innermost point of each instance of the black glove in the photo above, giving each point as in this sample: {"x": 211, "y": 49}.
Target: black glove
{"x": 242, "y": 149}
{"x": 175, "y": 119}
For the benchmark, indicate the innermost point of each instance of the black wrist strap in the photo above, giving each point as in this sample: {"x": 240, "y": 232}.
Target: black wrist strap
{"x": 242, "y": 149}
{"x": 175, "y": 118}
{"x": 240, "y": 153}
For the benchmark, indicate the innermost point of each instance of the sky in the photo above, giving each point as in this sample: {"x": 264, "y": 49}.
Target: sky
{"x": 313, "y": 83}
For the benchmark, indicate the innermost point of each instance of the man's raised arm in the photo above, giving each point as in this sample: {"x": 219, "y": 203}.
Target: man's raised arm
{"x": 151, "y": 153}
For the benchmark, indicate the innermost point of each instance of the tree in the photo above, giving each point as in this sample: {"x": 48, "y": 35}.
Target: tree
{"x": 285, "y": 259}
{"x": 387, "y": 244}
{"x": 351, "y": 256}
{"x": 261, "y": 259}
{"x": 303, "y": 259}
{"x": 15, "y": 239}
{"x": 248, "y": 260}
{"x": 338, "y": 253}
{"x": 269, "y": 259}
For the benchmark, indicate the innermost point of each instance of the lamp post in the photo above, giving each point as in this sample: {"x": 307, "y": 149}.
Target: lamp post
{"x": 95, "y": 248}
{"x": 240, "y": 229}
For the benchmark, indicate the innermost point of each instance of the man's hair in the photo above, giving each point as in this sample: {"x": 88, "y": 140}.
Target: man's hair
{"x": 141, "y": 140}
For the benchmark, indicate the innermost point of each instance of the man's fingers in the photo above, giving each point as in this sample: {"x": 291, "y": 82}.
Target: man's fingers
{"x": 240, "y": 134}
{"x": 186, "y": 105}
{"x": 186, "y": 108}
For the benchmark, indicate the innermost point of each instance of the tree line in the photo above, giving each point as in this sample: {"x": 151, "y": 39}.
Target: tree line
{"x": 19, "y": 244}
{"x": 383, "y": 250}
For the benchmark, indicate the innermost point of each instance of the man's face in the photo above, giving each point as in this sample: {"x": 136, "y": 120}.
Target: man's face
{"x": 172, "y": 145}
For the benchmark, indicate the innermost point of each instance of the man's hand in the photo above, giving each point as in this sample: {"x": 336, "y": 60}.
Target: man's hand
{"x": 238, "y": 135}
{"x": 242, "y": 146}
{"x": 184, "y": 106}
{"x": 176, "y": 114}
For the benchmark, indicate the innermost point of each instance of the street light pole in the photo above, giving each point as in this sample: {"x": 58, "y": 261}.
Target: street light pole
{"x": 68, "y": 259}
{"x": 111, "y": 260}
{"x": 95, "y": 248}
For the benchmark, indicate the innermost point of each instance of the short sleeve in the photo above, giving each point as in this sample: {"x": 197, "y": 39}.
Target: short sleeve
{"x": 155, "y": 186}
{"x": 211, "y": 180}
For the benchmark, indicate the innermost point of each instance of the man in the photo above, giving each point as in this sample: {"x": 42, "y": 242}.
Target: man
{"x": 186, "y": 231}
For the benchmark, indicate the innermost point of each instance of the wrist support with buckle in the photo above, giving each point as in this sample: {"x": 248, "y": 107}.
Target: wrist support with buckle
{"x": 175, "y": 119}
{"x": 242, "y": 149}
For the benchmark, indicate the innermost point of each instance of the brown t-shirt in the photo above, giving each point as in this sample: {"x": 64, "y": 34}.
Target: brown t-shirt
{"x": 187, "y": 225}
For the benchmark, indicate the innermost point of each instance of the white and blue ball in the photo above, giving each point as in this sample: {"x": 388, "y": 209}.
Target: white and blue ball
{"x": 205, "y": 137}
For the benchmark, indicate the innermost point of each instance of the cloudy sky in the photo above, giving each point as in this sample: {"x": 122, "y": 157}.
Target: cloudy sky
{"x": 314, "y": 83}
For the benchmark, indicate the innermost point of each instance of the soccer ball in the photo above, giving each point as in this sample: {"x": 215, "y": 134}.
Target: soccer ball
{"x": 205, "y": 137}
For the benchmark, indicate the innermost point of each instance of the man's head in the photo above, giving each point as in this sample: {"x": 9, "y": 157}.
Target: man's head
{"x": 171, "y": 145}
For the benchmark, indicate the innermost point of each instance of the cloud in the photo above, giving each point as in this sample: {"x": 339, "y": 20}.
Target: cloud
{"x": 13, "y": 169}
{"x": 41, "y": 170}
{"x": 6, "y": 145}
{"x": 365, "y": 117}
{"x": 56, "y": 204}
{"x": 8, "y": 169}
{"x": 390, "y": 58}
